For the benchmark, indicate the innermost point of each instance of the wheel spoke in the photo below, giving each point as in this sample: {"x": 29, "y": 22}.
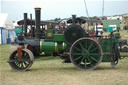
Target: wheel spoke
{"x": 19, "y": 64}
{"x": 85, "y": 50}
{"x": 76, "y": 53}
{"x": 82, "y": 59}
{"x": 16, "y": 63}
{"x": 81, "y": 45}
{"x": 89, "y": 60}
{"x": 95, "y": 54}
{"x": 22, "y": 66}
{"x": 77, "y": 48}
{"x": 93, "y": 49}
{"x": 78, "y": 58}
{"x": 90, "y": 46}
{"x": 25, "y": 64}
{"x": 93, "y": 58}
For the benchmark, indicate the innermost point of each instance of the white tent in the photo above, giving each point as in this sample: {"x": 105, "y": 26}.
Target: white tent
{"x": 6, "y": 28}
{"x": 5, "y": 21}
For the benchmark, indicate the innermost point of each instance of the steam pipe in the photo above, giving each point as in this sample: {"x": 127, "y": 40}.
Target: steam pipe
{"x": 32, "y": 29}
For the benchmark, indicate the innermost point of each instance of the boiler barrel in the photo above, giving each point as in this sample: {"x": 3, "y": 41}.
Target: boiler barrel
{"x": 52, "y": 46}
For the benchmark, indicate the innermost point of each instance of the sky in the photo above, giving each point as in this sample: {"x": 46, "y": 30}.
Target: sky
{"x": 0, "y": 6}
{"x": 51, "y": 9}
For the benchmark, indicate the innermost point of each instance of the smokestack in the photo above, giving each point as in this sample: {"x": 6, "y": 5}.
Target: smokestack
{"x": 37, "y": 22}
{"x": 25, "y": 24}
{"x": 73, "y": 19}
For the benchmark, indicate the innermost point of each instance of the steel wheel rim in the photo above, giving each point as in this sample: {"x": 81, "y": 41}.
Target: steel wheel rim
{"x": 21, "y": 64}
{"x": 82, "y": 54}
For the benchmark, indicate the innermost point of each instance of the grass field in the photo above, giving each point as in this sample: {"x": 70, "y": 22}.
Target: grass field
{"x": 51, "y": 71}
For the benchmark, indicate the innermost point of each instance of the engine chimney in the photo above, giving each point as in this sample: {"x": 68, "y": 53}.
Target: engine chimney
{"x": 37, "y": 23}
{"x": 25, "y": 24}
{"x": 73, "y": 19}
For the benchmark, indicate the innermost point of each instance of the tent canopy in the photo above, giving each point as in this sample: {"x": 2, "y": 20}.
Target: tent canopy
{"x": 5, "y": 21}
{"x": 106, "y": 23}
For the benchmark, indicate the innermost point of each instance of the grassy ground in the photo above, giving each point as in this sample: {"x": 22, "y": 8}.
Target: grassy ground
{"x": 124, "y": 34}
{"x": 51, "y": 71}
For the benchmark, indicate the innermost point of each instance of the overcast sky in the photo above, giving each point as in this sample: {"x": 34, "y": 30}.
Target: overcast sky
{"x": 0, "y": 6}
{"x": 62, "y": 8}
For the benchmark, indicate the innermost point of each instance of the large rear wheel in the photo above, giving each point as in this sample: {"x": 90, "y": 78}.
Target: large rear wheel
{"x": 85, "y": 53}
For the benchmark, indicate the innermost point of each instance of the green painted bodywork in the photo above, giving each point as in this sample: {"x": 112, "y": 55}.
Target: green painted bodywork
{"x": 58, "y": 37}
{"x": 107, "y": 47}
{"x": 49, "y": 33}
{"x": 59, "y": 45}
{"x": 53, "y": 42}
{"x": 106, "y": 58}
{"x": 47, "y": 46}
{"x": 52, "y": 46}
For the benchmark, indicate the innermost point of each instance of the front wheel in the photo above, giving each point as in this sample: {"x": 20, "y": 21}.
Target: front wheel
{"x": 22, "y": 64}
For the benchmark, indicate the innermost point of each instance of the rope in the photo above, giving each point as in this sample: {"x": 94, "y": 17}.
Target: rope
{"x": 86, "y": 8}
{"x": 103, "y": 9}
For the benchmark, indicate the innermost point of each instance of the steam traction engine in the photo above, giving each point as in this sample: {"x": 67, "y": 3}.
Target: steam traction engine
{"x": 75, "y": 45}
